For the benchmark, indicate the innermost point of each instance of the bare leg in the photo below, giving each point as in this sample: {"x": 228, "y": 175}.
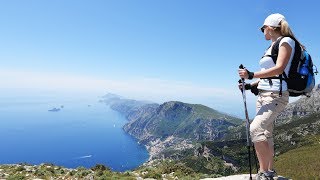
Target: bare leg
{"x": 271, "y": 147}
{"x": 264, "y": 155}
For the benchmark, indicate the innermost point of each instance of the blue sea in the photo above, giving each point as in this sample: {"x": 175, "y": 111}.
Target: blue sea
{"x": 83, "y": 133}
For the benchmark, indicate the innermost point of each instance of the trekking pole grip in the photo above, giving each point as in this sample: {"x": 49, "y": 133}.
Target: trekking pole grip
{"x": 241, "y": 67}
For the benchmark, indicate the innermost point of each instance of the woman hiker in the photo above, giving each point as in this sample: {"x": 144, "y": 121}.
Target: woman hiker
{"x": 273, "y": 95}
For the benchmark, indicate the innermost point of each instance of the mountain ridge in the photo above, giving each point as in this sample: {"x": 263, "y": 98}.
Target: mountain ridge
{"x": 212, "y": 142}
{"x": 172, "y": 124}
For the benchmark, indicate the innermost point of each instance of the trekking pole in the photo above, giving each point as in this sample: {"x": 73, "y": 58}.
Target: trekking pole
{"x": 247, "y": 120}
{"x": 255, "y": 157}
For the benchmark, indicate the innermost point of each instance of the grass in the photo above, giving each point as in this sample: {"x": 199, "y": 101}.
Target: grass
{"x": 171, "y": 170}
{"x": 50, "y": 171}
{"x": 301, "y": 163}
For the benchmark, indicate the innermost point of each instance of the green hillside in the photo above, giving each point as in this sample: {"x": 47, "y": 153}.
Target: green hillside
{"x": 294, "y": 134}
{"x": 180, "y": 120}
{"x": 302, "y": 162}
{"x": 185, "y": 120}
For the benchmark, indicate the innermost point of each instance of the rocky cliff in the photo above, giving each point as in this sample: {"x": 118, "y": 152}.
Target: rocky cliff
{"x": 303, "y": 107}
{"x": 299, "y": 121}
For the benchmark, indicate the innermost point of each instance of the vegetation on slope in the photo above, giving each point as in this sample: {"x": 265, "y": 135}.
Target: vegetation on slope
{"x": 293, "y": 135}
{"x": 50, "y": 171}
{"x": 190, "y": 121}
{"x": 302, "y": 162}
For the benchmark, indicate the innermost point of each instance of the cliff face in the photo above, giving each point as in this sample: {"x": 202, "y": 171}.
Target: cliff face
{"x": 139, "y": 124}
{"x": 303, "y": 107}
{"x": 299, "y": 121}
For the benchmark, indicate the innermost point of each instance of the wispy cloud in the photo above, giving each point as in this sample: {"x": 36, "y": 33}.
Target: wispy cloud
{"x": 139, "y": 87}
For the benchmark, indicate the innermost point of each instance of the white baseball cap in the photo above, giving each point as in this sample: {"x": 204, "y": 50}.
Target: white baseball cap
{"x": 273, "y": 20}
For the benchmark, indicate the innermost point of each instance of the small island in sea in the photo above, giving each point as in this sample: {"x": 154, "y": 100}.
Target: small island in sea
{"x": 54, "y": 110}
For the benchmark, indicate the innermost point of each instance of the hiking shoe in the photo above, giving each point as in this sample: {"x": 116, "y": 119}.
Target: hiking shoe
{"x": 272, "y": 173}
{"x": 263, "y": 176}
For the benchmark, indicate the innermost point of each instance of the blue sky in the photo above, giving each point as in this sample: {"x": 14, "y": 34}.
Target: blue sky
{"x": 152, "y": 50}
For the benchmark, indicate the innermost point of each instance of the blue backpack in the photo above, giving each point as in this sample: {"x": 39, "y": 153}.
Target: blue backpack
{"x": 300, "y": 80}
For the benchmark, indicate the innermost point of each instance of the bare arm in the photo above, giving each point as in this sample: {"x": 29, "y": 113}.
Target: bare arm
{"x": 282, "y": 61}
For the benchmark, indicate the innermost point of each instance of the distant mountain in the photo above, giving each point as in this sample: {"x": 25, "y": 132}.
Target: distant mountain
{"x": 190, "y": 121}
{"x": 124, "y": 105}
{"x": 173, "y": 124}
{"x": 111, "y": 96}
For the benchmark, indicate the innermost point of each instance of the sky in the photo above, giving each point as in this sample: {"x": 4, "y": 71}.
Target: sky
{"x": 156, "y": 50}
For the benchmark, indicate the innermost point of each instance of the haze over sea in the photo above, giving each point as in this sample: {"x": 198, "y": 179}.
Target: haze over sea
{"x": 83, "y": 133}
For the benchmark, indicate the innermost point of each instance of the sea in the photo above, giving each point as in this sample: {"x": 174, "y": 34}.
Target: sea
{"x": 78, "y": 132}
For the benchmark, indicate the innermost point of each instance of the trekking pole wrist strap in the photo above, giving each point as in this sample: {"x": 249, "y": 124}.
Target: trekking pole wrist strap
{"x": 250, "y": 75}
{"x": 247, "y": 86}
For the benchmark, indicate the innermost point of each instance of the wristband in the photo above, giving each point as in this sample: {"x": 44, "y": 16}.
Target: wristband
{"x": 250, "y": 75}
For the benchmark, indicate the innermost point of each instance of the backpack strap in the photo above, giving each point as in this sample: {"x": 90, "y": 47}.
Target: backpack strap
{"x": 274, "y": 56}
{"x": 275, "y": 50}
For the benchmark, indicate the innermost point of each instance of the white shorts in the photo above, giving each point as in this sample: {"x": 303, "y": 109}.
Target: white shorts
{"x": 268, "y": 107}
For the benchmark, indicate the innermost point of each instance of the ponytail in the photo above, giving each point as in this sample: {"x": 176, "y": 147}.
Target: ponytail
{"x": 286, "y": 31}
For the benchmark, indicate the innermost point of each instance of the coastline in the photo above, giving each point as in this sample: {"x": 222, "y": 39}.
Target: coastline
{"x": 76, "y": 136}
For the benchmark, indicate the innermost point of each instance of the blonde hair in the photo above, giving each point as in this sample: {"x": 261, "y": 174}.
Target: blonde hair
{"x": 286, "y": 31}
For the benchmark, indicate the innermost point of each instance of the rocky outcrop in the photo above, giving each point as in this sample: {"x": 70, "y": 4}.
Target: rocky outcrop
{"x": 300, "y": 119}
{"x": 303, "y": 107}
{"x": 242, "y": 177}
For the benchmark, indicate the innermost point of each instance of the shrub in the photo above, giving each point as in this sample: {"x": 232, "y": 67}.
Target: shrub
{"x": 82, "y": 172}
{"x": 20, "y": 168}
{"x": 16, "y": 177}
{"x": 100, "y": 167}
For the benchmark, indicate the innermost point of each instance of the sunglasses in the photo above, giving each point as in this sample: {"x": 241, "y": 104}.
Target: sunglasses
{"x": 262, "y": 29}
